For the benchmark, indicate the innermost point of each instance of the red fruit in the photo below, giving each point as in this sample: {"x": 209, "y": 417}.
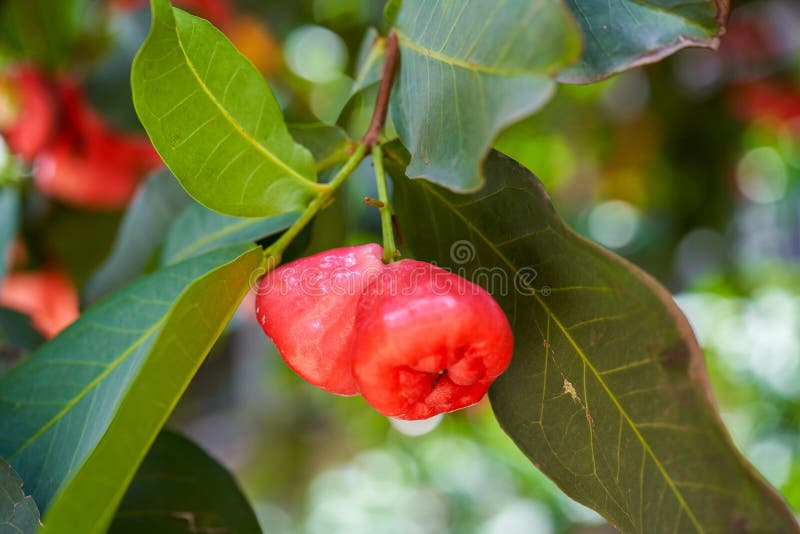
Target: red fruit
{"x": 84, "y": 180}
{"x": 89, "y": 165}
{"x": 48, "y": 297}
{"x": 28, "y": 113}
{"x": 308, "y": 308}
{"x": 428, "y": 341}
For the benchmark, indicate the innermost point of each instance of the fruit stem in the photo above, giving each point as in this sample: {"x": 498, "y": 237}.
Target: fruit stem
{"x": 389, "y": 247}
{"x": 274, "y": 252}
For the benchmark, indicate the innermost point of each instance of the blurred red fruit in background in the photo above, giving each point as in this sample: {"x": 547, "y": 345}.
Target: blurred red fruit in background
{"x": 768, "y": 102}
{"x": 89, "y": 165}
{"x": 28, "y": 113}
{"x": 77, "y": 157}
{"x": 47, "y": 296}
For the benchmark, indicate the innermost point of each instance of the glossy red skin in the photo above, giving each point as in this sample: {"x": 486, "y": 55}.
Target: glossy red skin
{"x": 35, "y": 116}
{"x": 428, "y": 341}
{"x": 48, "y": 297}
{"x": 308, "y": 309}
{"x": 88, "y": 164}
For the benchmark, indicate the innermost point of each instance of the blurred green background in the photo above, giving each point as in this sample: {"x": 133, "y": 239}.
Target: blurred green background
{"x": 689, "y": 168}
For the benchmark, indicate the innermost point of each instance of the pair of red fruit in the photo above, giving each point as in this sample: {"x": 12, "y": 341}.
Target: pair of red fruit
{"x": 413, "y": 339}
{"x": 77, "y": 158}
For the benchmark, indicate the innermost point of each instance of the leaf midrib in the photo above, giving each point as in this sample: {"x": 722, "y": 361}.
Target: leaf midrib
{"x": 579, "y": 351}
{"x": 406, "y": 41}
{"x": 187, "y": 251}
{"x": 236, "y": 126}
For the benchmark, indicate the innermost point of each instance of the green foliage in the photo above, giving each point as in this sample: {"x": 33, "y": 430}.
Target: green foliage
{"x": 18, "y": 512}
{"x": 214, "y": 120}
{"x": 328, "y": 144}
{"x": 107, "y": 383}
{"x": 180, "y": 488}
{"x": 9, "y": 219}
{"x": 622, "y": 34}
{"x": 468, "y": 70}
{"x": 148, "y": 218}
{"x": 49, "y": 33}
{"x": 198, "y": 230}
{"x": 607, "y": 392}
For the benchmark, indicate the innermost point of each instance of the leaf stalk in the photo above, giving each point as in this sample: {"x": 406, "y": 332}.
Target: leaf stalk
{"x": 275, "y": 251}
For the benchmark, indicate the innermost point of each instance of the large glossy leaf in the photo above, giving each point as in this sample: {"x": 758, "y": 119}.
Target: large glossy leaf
{"x": 198, "y": 230}
{"x": 607, "y": 392}
{"x": 18, "y": 512}
{"x": 156, "y": 204}
{"x": 9, "y": 218}
{"x": 469, "y": 68}
{"x": 179, "y": 488}
{"x": 78, "y": 415}
{"x": 214, "y": 120}
{"x": 622, "y": 34}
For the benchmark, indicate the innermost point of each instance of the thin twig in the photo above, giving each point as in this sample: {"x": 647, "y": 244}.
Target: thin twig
{"x": 384, "y": 91}
{"x": 390, "y": 251}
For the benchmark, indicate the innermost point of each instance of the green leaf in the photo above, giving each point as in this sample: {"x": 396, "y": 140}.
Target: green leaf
{"x": 78, "y": 416}
{"x": 468, "y": 69}
{"x": 328, "y": 144}
{"x": 180, "y": 488}
{"x": 215, "y": 122}
{"x": 622, "y": 34}
{"x": 607, "y": 392}
{"x": 9, "y": 219}
{"x": 148, "y": 218}
{"x": 198, "y": 230}
{"x": 18, "y": 512}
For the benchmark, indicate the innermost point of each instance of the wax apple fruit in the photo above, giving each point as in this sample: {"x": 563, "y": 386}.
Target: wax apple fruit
{"x": 28, "y": 112}
{"x": 428, "y": 341}
{"x": 308, "y": 308}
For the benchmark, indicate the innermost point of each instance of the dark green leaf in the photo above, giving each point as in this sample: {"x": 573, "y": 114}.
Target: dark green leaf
{"x": 80, "y": 239}
{"x": 17, "y": 337}
{"x": 9, "y": 219}
{"x": 467, "y": 70}
{"x": 78, "y": 415}
{"x": 156, "y": 204}
{"x": 622, "y": 34}
{"x": 179, "y": 488}
{"x": 607, "y": 392}
{"x": 18, "y": 512}
{"x": 214, "y": 120}
{"x": 198, "y": 230}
